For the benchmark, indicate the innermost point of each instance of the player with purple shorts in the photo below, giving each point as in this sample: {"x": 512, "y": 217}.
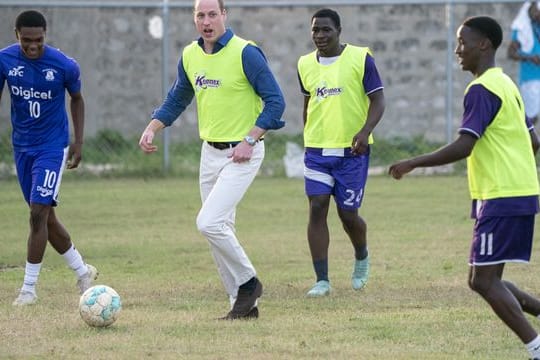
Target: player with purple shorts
{"x": 343, "y": 103}
{"x": 37, "y": 78}
{"x": 499, "y": 144}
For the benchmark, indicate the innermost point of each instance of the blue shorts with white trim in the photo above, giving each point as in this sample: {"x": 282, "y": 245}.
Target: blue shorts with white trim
{"x": 40, "y": 174}
{"x": 343, "y": 176}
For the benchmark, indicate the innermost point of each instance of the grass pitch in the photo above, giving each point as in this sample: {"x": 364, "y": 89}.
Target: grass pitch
{"x": 142, "y": 237}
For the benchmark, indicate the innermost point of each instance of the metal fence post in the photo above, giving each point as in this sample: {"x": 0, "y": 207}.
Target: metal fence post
{"x": 449, "y": 61}
{"x": 165, "y": 81}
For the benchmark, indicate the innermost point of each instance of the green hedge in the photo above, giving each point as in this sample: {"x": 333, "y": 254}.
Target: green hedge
{"x": 109, "y": 153}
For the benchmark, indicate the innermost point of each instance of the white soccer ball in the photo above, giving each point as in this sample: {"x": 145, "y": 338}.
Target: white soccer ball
{"x": 100, "y": 305}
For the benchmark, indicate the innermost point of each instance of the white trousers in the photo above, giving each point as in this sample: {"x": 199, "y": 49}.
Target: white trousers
{"x": 223, "y": 183}
{"x": 530, "y": 92}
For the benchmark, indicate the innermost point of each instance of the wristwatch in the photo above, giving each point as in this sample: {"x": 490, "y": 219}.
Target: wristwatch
{"x": 250, "y": 140}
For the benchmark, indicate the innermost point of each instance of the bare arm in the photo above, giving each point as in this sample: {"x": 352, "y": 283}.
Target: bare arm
{"x": 457, "y": 150}
{"x": 376, "y": 108}
{"x": 304, "y": 112}
{"x": 534, "y": 140}
{"x": 77, "y": 117}
{"x": 514, "y": 53}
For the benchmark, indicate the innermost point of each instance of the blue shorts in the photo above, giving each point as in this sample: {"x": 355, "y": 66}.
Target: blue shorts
{"x": 344, "y": 177}
{"x": 501, "y": 239}
{"x": 40, "y": 174}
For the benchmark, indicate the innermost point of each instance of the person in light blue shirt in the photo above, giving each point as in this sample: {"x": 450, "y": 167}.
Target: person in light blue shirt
{"x": 525, "y": 48}
{"x": 37, "y": 78}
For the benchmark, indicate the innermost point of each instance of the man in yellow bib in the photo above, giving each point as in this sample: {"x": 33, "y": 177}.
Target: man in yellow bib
{"x": 499, "y": 143}
{"x": 238, "y": 100}
{"x": 343, "y": 102}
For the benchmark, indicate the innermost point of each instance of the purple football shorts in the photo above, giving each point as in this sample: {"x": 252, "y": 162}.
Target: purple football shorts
{"x": 344, "y": 177}
{"x": 501, "y": 239}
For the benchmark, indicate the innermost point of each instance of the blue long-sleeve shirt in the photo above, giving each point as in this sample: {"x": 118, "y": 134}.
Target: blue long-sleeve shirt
{"x": 258, "y": 74}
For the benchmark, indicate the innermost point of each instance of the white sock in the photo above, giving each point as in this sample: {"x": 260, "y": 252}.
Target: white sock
{"x": 534, "y": 348}
{"x": 31, "y": 274}
{"x": 74, "y": 260}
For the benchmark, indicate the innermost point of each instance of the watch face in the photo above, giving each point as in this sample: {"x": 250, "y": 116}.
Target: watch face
{"x": 251, "y": 141}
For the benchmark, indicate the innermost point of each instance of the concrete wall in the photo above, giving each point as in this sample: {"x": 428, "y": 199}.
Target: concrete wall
{"x": 121, "y": 62}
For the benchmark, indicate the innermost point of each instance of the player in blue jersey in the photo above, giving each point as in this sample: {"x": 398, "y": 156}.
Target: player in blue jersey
{"x": 37, "y": 77}
{"x": 343, "y": 102}
{"x": 499, "y": 143}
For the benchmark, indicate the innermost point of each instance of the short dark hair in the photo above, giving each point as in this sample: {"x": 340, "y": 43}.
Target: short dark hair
{"x": 487, "y": 27}
{"x": 221, "y": 4}
{"x": 30, "y": 18}
{"x": 328, "y": 13}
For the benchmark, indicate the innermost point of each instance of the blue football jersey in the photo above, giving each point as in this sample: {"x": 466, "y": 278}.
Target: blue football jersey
{"x": 38, "y": 90}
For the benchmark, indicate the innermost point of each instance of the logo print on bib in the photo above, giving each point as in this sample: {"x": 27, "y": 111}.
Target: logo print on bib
{"x": 201, "y": 82}
{"x": 323, "y": 91}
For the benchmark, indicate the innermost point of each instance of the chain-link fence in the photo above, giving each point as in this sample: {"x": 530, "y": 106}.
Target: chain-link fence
{"x": 128, "y": 53}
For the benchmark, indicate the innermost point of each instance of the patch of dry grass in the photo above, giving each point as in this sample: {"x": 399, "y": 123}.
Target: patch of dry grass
{"x": 142, "y": 237}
